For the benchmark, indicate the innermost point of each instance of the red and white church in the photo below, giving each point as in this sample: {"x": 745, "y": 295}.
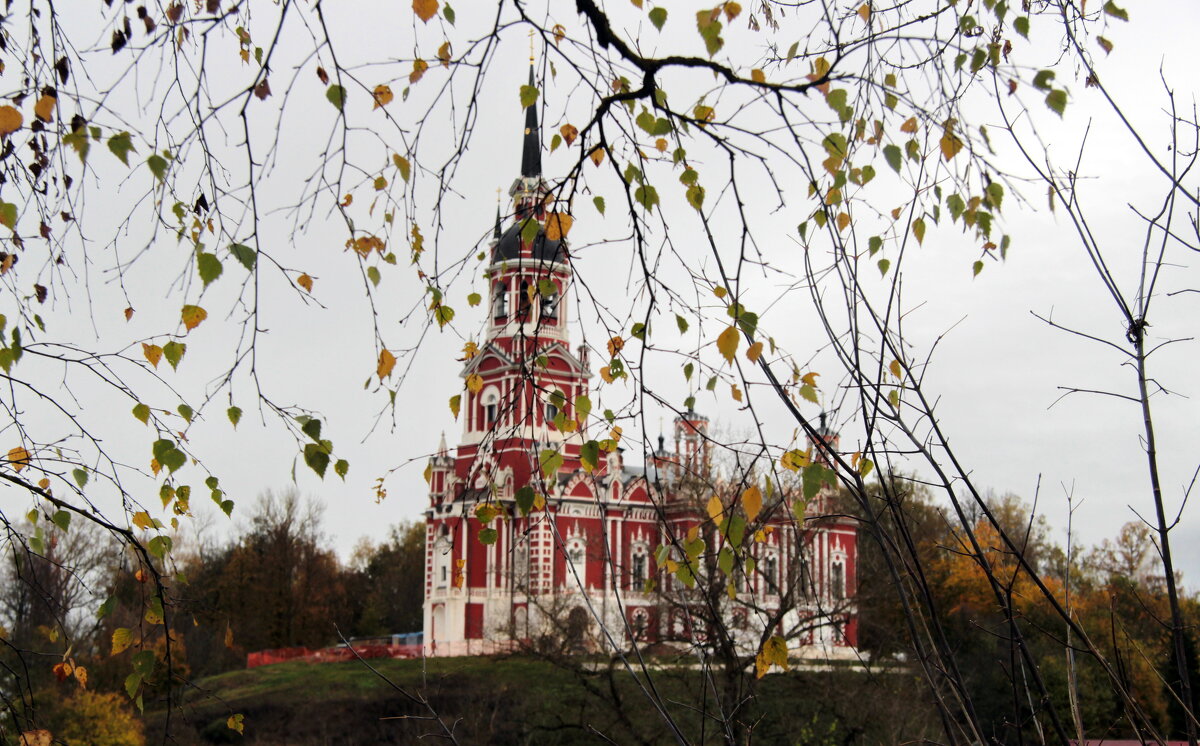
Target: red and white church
{"x": 580, "y": 564}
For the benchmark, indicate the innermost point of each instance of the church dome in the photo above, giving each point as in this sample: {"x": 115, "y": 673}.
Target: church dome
{"x": 508, "y": 247}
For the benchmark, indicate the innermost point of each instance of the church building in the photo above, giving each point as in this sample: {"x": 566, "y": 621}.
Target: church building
{"x": 579, "y": 559}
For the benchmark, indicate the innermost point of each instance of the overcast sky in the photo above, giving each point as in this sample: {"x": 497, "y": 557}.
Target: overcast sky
{"x": 996, "y": 372}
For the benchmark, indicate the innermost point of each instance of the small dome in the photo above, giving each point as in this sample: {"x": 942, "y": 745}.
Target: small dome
{"x": 544, "y": 250}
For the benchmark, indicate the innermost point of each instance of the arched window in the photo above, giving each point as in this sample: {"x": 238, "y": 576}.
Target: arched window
{"x": 441, "y": 559}
{"x": 521, "y": 565}
{"x": 576, "y": 562}
{"x": 837, "y": 580}
{"x": 499, "y": 301}
{"x": 638, "y": 562}
{"x": 523, "y": 300}
{"x": 491, "y": 407}
{"x": 771, "y": 572}
{"x": 550, "y": 307}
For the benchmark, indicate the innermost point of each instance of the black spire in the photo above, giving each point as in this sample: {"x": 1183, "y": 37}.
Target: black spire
{"x": 496, "y": 234}
{"x": 531, "y": 154}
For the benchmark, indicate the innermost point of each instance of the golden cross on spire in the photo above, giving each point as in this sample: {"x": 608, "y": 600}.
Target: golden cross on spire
{"x": 531, "y": 46}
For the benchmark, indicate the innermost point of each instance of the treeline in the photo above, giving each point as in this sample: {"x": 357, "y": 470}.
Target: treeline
{"x": 70, "y": 601}
{"x": 1114, "y": 590}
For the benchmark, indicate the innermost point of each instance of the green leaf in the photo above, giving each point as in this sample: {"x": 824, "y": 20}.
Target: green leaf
{"x": 589, "y": 456}
{"x": 159, "y": 546}
{"x": 132, "y": 682}
{"x": 488, "y": 535}
{"x": 865, "y": 466}
{"x": 1057, "y": 101}
{"x": 209, "y": 267}
{"x": 529, "y": 96}
{"x": 551, "y": 461}
{"x": 524, "y": 498}
{"x": 107, "y": 607}
{"x": 658, "y": 16}
{"x": 336, "y": 95}
{"x": 374, "y": 277}
{"x": 235, "y": 415}
{"x": 874, "y": 244}
{"x": 81, "y": 477}
{"x": 976, "y": 268}
{"x": 810, "y": 393}
{"x": 583, "y": 407}
{"x": 681, "y": 323}
{"x": 448, "y": 13}
{"x": 173, "y": 351}
{"x": 312, "y": 428}
{"x": 695, "y": 197}
{"x": 599, "y": 203}
{"x": 883, "y": 265}
{"x": 158, "y": 166}
{"x": 688, "y": 369}
{"x": 341, "y": 468}
{"x": 143, "y": 662}
{"x": 62, "y": 519}
{"x": 185, "y": 412}
{"x": 317, "y": 458}
{"x": 646, "y": 196}
{"x": 8, "y": 215}
{"x": 120, "y": 145}
{"x": 725, "y": 560}
{"x": 1111, "y": 9}
{"x": 1043, "y": 79}
{"x": 893, "y": 156}
{"x": 244, "y": 254}
{"x": 142, "y": 412}
{"x": 529, "y": 230}
{"x": 1021, "y": 24}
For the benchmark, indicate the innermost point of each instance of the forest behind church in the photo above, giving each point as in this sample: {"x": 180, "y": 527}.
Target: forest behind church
{"x": 280, "y": 585}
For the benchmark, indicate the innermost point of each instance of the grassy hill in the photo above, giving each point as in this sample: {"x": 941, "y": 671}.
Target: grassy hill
{"x": 524, "y": 700}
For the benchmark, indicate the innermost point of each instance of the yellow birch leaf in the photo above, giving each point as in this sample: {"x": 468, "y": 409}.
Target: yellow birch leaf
{"x": 909, "y": 126}
{"x": 425, "y": 9}
{"x": 19, "y": 458}
{"x": 44, "y": 108}
{"x": 387, "y": 361}
{"x": 192, "y": 316}
{"x": 122, "y": 638}
{"x": 720, "y": 291}
{"x": 305, "y": 282}
{"x": 44, "y": 483}
{"x": 950, "y": 145}
{"x": 383, "y": 96}
{"x": 155, "y": 466}
{"x": 153, "y": 353}
{"x": 895, "y": 370}
{"x": 10, "y": 120}
{"x": 727, "y": 342}
{"x": 864, "y": 12}
{"x": 443, "y": 54}
{"x": 606, "y": 374}
{"x": 758, "y": 76}
{"x": 418, "y": 71}
{"x": 660, "y": 145}
{"x": 754, "y": 352}
{"x": 474, "y": 383}
{"x": 229, "y": 637}
{"x": 843, "y": 220}
{"x": 615, "y": 345}
{"x": 456, "y": 404}
{"x": 81, "y": 676}
{"x": 235, "y": 722}
{"x": 569, "y": 133}
{"x": 810, "y": 378}
{"x": 735, "y": 392}
{"x": 716, "y": 509}
{"x": 752, "y": 502}
{"x": 597, "y": 154}
{"x": 558, "y": 225}
{"x": 142, "y": 519}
